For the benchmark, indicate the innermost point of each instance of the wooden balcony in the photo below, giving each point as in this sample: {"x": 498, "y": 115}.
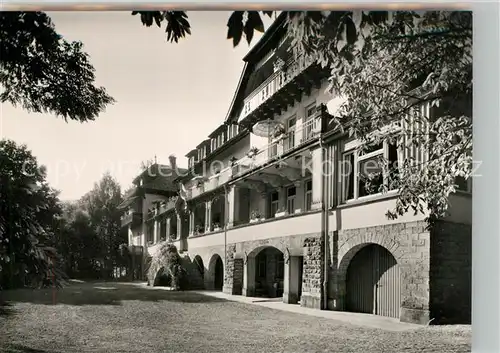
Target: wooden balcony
{"x": 286, "y": 85}
{"x": 132, "y": 219}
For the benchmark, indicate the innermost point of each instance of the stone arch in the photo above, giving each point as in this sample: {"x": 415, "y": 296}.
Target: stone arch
{"x": 198, "y": 261}
{"x": 265, "y": 271}
{"x": 349, "y": 249}
{"x": 162, "y": 278}
{"x": 215, "y": 278}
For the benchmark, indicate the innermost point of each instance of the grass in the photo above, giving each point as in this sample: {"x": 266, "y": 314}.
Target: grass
{"x": 117, "y": 317}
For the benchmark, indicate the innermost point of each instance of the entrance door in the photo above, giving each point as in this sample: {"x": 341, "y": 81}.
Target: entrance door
{"x": 219, "y": 274}
{"x": 301, "y": 269}
{"x": 373, "y": 283}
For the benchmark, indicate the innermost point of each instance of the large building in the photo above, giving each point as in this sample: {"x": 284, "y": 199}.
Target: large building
{"x": 264, "y": 218}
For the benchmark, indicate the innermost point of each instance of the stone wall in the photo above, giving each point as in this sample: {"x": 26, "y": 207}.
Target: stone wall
{"x": 450, "y": 273}
{"x": 408, "y": 243}
{"x": 232, "y": 273}
{"x": 313, "y": 273}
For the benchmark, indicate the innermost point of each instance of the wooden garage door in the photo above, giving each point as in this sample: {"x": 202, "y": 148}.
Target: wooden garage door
{"x": 373, "y": 283}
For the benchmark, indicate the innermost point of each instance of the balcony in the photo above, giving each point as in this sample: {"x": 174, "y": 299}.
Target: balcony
{"x": 167, "y": 205}
{"x": 132, "y": 219}
{"x": 281, "y": 80}
{"x": 211, "y": 183}
{"x": 291, "y": 140}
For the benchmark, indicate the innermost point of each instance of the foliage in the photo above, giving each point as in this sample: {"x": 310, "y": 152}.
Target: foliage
{"x": 389, "y": 65}
{"x": 43, "y": 73}
{"x": 240, "y": 23}
{"x": 28, "y": 212}
{"x": 256, "y": 214}
{"x": 169, "y": 261}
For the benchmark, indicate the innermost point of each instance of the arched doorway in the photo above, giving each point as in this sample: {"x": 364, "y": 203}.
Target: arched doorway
{"x": 269, "y": 273}
{"x": 199, "y": 265}
{"x": 162, "y": 278}
{"x": 373, "y": 282}
{"x": 216, "y": 269}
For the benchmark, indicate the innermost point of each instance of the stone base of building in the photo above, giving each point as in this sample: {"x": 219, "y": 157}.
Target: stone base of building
{"x": 415, "y": 316}
{"x": 311, "y": 301}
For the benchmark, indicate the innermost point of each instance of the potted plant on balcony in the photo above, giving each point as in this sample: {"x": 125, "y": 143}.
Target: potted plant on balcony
{"x": 216, "y": 226}
{"x": 281, "y": 212}
{"x": 255, "y": 216}
{"x": 252, "y": 152}
{"x": 278, "y": 134}
{"x": 232, "y": 161}
{"x": 198, "y": 229}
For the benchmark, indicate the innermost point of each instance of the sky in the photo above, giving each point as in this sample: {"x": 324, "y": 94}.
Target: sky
{"x": 169, "y": 97}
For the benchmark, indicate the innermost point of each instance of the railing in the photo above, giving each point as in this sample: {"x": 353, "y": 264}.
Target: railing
{"x": 211, "y": 183}
{"x": 292, "y": 139}
{"x": 133, "y": 218}
{"x": 167, "y": 205}
{"x": 274, "y": 83}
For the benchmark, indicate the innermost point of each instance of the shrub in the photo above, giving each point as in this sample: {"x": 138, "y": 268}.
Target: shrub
{"x": 169, "y": 259}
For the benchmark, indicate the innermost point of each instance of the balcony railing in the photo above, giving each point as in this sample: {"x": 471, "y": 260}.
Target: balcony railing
{"x": 131, "y": 218}
{"x": 301, "y": 134}
{"x": 211, "y": 183}
{"x": 167, "y": 205}
{"x": 275, "y": 82}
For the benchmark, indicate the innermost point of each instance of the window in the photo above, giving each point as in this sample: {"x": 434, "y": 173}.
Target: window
{"x": 308, "y": 126}
{"x": 274, "y": 203}
{"x": 363, "y": 173}
{"x": 308, "y": 195}
{"x": 289, "y": 142}
{"x": 150, "y": 236}
{"x": 290, "y": 200}
{"x": 310, "y": 111}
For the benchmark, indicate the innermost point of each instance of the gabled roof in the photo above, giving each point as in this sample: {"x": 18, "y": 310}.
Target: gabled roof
{"x": 250, "y": 59}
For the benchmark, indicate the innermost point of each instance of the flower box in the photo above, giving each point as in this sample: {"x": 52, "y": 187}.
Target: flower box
{"x": 280, "y": 214}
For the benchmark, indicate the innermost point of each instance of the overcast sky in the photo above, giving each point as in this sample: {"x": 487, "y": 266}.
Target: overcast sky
{"x": 169, "y": 98}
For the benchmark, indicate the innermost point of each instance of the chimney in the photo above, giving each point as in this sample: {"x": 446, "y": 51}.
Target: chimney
{"x": 173, "y": 162}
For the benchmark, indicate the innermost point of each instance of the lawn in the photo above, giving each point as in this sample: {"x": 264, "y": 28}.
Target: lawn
{"x": 98, "y": 317}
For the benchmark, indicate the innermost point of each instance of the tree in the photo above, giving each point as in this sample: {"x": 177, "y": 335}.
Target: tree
{"x": 43, "y": 73}
{"x": 387, "y": 64}
{"x": 101, "y": 204}
{"x": 28, "y": 209}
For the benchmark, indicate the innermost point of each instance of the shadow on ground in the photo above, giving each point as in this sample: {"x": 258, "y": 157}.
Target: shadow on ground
{"x": 98, "y": 293}
{"x": 17, "y": 348}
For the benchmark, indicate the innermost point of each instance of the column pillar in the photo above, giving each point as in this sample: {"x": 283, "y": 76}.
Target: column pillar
{"x": 208, "y": 216}
{"x": 231, "y": 205}
{"x": 263, "y": 204}
{"x": 179, "y": 226}
{"x": 167, "y": 230}
{"x": 249, "y": 277}
{"x": 291, "y": 283}
{"x": 317, "y": 179}
{"x": 191, "y": 222}
{"x": 156, "y": 231}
